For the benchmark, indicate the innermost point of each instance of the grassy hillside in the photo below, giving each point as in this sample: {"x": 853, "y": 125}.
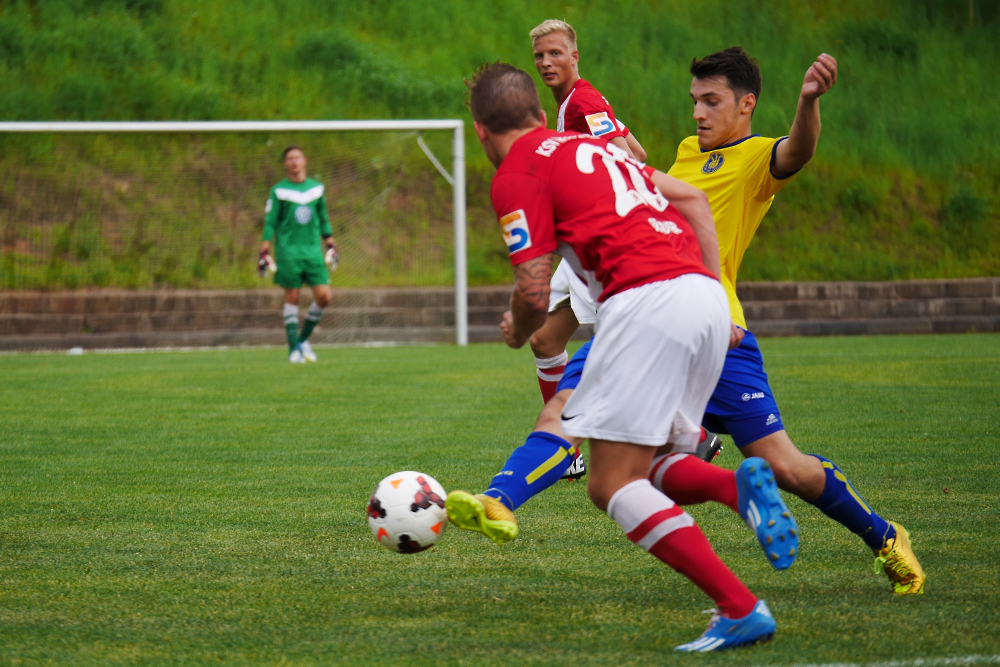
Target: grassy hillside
{"x": 904, "y": 185}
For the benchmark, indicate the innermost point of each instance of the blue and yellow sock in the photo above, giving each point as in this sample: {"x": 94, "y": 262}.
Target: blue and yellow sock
{"x": 843, "y": 504}
{"x": 531, "y": 468}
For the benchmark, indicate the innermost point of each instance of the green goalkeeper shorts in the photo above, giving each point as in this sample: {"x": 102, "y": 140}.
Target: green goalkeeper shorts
{"x": 292, "y": 273}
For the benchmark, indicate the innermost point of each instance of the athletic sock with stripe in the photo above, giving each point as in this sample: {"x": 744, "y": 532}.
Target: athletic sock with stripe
{"x": 313, "y": 316}
{"x": 687, "y": 480}
{"x": 531, "y": 468}
{"x": 654, "y": 522}
{"x": 550, "y": 372}
{"x": 292, "y": 326}
{"x": 843, "y": 504}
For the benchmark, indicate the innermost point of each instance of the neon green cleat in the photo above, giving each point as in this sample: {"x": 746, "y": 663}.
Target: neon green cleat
{"x": 900, "y": 564}
{"x": 481, "y": 514}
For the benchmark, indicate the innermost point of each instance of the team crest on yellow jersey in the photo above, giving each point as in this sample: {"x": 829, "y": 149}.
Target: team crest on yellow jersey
{"x": 714, "y": 163}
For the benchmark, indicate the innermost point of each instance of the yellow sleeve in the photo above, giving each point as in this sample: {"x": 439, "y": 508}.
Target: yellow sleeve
{"x": 761, "y": 179}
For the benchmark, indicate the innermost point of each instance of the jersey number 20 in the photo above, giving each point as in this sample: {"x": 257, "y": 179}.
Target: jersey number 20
{"x": 627, "y": 181}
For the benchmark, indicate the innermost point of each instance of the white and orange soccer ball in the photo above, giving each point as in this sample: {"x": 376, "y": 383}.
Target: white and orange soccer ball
{"x": 406, "y": 512}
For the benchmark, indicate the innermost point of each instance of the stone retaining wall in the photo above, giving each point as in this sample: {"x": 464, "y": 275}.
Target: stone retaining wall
{"x": 181, "y": 318}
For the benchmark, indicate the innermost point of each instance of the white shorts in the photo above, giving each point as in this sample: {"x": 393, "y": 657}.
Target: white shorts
{"x": 566, "y": 285}
{"x": 653, "y": 365}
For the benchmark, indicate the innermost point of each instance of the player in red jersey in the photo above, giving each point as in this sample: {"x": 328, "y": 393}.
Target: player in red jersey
{"x": 661, "y": 341}
{"x": 582, "y": 108}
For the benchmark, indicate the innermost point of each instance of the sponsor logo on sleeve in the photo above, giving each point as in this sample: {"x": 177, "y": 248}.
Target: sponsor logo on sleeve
{"x": 303, "y": 214}
{"x": 600, "y": 124}
{"x": 714, "y": 163}
{"x": 515, "y": 231}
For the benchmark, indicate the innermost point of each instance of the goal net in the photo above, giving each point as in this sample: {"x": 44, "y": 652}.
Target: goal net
{"x": 178, "y": 208}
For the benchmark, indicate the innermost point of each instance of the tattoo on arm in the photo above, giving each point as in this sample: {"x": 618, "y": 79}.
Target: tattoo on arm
{"x": 531, "y": 281}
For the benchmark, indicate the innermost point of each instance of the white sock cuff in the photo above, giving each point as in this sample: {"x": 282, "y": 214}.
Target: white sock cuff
{"x": 645, "y": 514}
{"x": 552, "y": 362}
{"x": 291, "y": 309}
{"x": 635, "y": 502}
{"x": 315, "y": 312}
{"x": 660, "y": 465}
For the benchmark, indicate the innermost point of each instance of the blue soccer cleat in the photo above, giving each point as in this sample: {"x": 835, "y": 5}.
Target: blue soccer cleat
{"x": 722, "y": 633}
{"x": 761, "y": 506}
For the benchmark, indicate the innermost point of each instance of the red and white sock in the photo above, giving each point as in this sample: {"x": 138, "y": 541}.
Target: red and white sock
{"x": 689, "y": 481}
{"x": 659, "y": 526}
{"x": 550, "y": 371}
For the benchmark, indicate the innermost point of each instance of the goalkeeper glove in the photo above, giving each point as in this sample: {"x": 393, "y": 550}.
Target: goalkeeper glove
{"x": 332, "y": 258}
{"x": 265, "y": 264}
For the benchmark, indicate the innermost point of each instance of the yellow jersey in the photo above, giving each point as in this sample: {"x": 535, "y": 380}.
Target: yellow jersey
{"x": 740, "y": 186}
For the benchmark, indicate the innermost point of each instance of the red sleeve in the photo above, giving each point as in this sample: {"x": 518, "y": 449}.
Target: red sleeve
{"x": 523, "y": 205}
{"x": 589, "y": 112}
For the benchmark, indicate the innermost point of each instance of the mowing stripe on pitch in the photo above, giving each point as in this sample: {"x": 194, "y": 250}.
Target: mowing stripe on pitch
{"x": 916, "y": 662}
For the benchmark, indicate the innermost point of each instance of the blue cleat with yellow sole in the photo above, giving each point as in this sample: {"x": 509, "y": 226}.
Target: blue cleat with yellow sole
{"x": 761, "y": 506}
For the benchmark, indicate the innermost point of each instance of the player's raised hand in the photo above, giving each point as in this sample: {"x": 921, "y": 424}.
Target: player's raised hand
{"x": 820, "y": 76}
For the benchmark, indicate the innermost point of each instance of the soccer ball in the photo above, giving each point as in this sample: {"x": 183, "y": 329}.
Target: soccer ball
{"x": 406, "y": 512}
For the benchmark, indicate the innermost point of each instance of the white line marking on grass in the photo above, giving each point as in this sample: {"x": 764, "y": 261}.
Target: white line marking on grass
{"x": 215, "y": 348}
{"x": 916, "y": 662}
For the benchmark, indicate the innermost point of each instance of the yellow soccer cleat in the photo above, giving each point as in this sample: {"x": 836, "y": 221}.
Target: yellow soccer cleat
{"x": 482, "y": 514}
{"x": 900, "y": 564}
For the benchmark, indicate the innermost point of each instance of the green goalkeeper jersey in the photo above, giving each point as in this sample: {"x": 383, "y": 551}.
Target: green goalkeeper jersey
{"x": 295, "y": 220}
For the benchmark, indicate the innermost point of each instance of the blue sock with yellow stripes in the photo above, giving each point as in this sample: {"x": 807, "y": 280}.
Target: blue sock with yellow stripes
{"x": 843, "y": 504}
{"x": 531, "y": 468}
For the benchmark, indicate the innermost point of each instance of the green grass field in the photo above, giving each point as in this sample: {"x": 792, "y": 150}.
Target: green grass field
{"x": 208, "y": 507}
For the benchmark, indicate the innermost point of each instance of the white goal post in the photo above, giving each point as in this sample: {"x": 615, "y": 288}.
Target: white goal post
{"x": 456, "y": 178}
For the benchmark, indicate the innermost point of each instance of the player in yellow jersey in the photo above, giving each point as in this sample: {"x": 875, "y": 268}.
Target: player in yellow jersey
{"x": 741, "y": 172}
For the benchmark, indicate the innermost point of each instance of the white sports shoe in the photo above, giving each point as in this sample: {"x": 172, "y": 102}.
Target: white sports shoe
{"x": 296, "y": 357}
{"x": 307, "y": 351}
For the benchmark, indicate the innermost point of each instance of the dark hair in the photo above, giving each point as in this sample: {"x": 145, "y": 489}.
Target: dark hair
{"x": 291, "y": 148}
{"x": 503, "y": 97}
{"x": 741, "y": 71}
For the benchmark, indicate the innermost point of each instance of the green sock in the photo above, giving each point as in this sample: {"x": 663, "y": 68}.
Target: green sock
{"x": 313, "y": 316}
{"x": 292, "y": 326}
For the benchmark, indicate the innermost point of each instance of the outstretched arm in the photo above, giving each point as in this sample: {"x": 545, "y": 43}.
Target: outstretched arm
{"x": 693, "y": 205}
{"x": 529, "y": 304}
{"x": 638, "y": 152}
{"x": 621, "y": 143}
{"x": 793, "y": 153}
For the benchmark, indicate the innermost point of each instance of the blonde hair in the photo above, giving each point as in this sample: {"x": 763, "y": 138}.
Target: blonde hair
{"x": 553, "y": 25}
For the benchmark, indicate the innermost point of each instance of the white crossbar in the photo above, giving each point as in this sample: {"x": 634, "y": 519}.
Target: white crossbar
{"x": 230, "y": 126}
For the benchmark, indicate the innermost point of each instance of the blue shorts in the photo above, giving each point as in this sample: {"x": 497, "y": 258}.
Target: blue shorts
{"x": 574, "y": 369}
{"x": 742, "y": 404}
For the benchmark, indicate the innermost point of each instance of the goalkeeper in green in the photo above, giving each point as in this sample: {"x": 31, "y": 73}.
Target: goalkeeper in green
{"x": 295, "y": 220}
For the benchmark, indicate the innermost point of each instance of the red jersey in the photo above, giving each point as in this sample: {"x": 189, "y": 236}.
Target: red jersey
{"x": 586, "y": 199}
{"x": 585, "y": 110}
